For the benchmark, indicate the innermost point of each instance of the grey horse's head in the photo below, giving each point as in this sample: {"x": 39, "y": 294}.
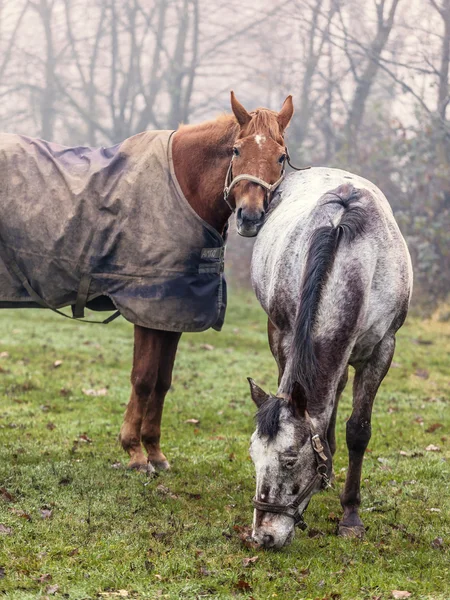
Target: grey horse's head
{"x": 289, "y": 469}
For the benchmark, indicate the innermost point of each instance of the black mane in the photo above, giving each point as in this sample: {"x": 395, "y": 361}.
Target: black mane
{"x": 268, "y": 416}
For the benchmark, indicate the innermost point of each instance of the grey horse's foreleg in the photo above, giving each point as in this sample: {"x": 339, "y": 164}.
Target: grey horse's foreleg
{"x": 368, "y": 378}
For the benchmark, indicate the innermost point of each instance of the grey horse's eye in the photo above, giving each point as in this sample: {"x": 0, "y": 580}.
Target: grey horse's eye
{"x": 289, "y": 463}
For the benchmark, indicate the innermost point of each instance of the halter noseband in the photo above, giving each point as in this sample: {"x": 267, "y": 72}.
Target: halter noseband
{"x": 292, "y": 509}
{"x": 230, "y": 182}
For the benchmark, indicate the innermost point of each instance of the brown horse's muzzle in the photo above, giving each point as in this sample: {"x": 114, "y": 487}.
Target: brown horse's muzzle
{"x": 249, "y": 221}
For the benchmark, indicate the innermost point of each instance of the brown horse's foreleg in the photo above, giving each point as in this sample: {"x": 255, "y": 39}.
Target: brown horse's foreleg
{"x": 368, "y": 378}
{"x": 151, "y": 424}
{"x": 148, "y": 344}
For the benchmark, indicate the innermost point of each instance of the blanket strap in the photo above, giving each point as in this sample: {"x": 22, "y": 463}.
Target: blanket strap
{"x": 83, "y": 290}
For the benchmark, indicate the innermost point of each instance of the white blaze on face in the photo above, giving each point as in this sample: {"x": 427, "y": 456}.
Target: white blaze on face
{"x": 260, "y": 139}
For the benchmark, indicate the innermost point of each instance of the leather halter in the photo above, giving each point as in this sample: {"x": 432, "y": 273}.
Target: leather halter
{"x": 231, "y": 181}
{"x": 292, "y": 509}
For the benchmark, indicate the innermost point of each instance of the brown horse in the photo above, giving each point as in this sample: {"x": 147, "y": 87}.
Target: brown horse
{"x": 245, "y": 150}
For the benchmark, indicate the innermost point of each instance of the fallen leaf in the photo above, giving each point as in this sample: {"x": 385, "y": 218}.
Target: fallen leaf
{"x": 2, "y": 572}
{"x": 436, "y": 510}
{"x": 333, "y": 517}
{"x": 437, "y": 543}
{"x": 51, "y": 426}
{"x": 46, "y": 513}
{"x": 249, "y": 561}
{"x": 207, "y": 347}
{"x": 423, "y": 374}
{"x": 432, "y": 428}
{"x": 243, "y": 585}
{"x": 4, "y": 354}
{"x": 116, "y": 465}
{"x": 57, "y": 364}
{"x": 118, "y": 594}
{"x": 84, "y": 438}
{"x": 245, "y": 535}
{"x": 52, "y": 589}
{"x": 5, "y": 495}
{"x": 314, "y": 533}
{"x": 73, "y": 552}
{"x": 398, "y": 594}
{"x": 403, "y": 453}
{"x": 44, "y": 578}
{"x": 432, "y": 448}
{"x": 65, "y": 392}
{"x": 204, "y": 571}
{"x": 21, "y": 513}
{"x": 193, "y": 421}
{"x": 92, "y": 392}
{"x": 4, "y": 530}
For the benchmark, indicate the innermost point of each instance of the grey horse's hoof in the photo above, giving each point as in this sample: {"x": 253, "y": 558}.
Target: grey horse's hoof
{"x": 355, "y": 531}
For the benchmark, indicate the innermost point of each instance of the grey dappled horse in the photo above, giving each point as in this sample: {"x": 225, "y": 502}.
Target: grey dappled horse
{"x": 333, "y": 273}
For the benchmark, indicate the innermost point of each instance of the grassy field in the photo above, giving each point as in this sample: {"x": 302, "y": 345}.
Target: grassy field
{"x": 75, "y": 523}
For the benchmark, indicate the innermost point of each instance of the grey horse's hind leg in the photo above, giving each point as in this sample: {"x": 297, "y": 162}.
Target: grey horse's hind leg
{"x": 368, "y": 378}
{"x": 331, "y": 432}
{"x": 276, "y": 347}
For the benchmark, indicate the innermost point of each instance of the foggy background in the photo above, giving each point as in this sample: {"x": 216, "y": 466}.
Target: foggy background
{"x": 369, "y": 80}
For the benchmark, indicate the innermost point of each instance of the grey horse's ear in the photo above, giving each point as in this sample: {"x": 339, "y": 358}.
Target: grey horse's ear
{"x": 259, "y": 396}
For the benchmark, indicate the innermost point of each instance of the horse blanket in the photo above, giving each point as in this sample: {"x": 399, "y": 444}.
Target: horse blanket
{"x": 106, "y": 228}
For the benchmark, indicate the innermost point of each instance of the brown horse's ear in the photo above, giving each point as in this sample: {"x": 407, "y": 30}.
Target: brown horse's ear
{"x": 286, "y": 112}
{"x": 242, "y": 116}
{"x": 259, "y": 396}
{"x": 298, "y": 399}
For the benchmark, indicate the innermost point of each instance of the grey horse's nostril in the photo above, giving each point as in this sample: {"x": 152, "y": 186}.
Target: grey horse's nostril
{"x": 268, "y": 540}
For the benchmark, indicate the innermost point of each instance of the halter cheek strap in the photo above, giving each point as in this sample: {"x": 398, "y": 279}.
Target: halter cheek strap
{"x": 230, "y": 182}
{"x": 321, "y": 478}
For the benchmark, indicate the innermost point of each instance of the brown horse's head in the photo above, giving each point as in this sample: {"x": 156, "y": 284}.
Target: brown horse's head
{"x": 259, "y": 152}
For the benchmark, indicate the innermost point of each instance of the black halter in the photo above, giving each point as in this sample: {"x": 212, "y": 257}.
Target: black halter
{"x": 292, "y": 509}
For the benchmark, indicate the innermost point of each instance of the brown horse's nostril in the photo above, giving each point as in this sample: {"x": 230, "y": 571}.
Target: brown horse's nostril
{"x": 268, "y": 541}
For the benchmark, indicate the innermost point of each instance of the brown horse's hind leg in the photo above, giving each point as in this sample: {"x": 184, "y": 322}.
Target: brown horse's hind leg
{"x": 148, "y": 344}
{"x": 151, "y": 424}
{"x": 368, "y": 378}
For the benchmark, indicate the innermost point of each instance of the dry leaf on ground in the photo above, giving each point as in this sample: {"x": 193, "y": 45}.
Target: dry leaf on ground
{"x": 432, "y": 448}
{"x": 249, "y": 561}
{"x": 92, "y": 392}
{"x": 52, "y": 589}
{"x": 57, "y": 364}
{"x": 193, "y": 421}
{"x": 207, "y": 347}
{"x": 5, "y": 530}
{"x": 398, "y": 594}
{"x": 46, "y": 513}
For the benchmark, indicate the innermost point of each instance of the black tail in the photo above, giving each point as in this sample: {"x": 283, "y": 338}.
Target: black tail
{"x": 324, "y": 244}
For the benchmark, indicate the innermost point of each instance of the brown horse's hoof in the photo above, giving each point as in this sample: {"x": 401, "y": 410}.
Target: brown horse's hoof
{"x": 160, "y": 465}
{"x": 355, "y": 531}
{"x": 141, "y": 467}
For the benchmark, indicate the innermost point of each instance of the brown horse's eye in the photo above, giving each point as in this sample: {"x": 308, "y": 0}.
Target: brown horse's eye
{"x": 282, "y": 159}
{"x": 235, "y": 151}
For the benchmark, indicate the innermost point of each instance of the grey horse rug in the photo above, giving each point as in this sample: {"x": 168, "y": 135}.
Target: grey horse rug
{"x": 109, "y": 229}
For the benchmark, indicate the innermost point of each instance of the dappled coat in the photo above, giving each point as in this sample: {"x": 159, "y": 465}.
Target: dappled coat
{"x": 106, "y": 228}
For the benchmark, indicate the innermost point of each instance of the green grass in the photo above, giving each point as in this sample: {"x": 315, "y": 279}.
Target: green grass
{"x": 173, "y": 536}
